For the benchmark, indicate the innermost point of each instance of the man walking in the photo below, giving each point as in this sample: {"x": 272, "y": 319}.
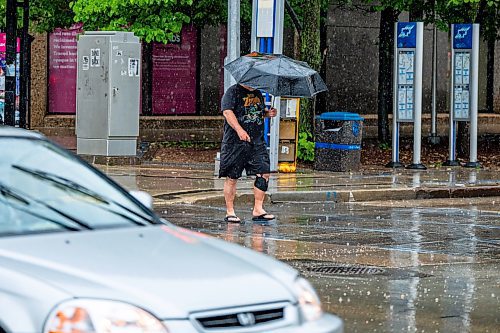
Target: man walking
{"x": 243, "y": 147}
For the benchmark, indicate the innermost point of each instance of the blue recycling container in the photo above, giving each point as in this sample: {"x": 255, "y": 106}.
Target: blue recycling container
{"x": 338, "y": 137}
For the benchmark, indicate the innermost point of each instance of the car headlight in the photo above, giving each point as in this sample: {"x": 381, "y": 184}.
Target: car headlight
{"x": 101, "y": 316}
{"x": 309, "y": 303}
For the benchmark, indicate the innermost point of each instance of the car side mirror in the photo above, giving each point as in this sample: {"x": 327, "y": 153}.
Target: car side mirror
{"x": 143, "y": 197}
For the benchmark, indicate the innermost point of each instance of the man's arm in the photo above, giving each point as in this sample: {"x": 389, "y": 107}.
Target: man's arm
{"x": 270, "y": 113}
{"x": 233, "y": 122}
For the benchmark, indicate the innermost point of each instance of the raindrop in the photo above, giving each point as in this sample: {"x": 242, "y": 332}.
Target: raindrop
{"x": 436, "y": 300}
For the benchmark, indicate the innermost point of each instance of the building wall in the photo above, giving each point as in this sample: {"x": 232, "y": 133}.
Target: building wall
{"x": 38, "y": 80}
{"x": 213, "y": 52}
{"x": 352, "y": 60}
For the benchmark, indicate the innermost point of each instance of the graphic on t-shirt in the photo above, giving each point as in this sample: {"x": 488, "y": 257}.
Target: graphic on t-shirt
{"x": 253, "y": 109}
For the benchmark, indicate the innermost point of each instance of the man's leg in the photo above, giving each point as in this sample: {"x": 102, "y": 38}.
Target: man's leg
{"x": 260, "y": 195}
{"x": 229, "y": 195}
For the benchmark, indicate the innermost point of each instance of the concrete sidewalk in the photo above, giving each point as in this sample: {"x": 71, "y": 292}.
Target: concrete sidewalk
{"x": 195, "y": 184}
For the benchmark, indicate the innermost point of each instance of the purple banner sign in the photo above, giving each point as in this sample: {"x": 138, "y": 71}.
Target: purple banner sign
{"x": 174, "y": 75}
{"x": 62, "y": 70}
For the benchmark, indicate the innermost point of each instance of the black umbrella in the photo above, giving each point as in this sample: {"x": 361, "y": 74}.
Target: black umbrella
{"x": 277, "y": 74}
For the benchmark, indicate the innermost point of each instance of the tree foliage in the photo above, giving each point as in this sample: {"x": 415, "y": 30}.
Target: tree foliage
{"x": 44, "y": 15}
{"x": 152, "y": 20}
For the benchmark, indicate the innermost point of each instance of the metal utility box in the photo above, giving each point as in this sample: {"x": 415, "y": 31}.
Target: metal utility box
{"x": 108, "y": 93}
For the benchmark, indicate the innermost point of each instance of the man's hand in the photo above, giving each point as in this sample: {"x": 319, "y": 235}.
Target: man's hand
{"x": 243, "y": 135}
{"x": 271, "y": 113}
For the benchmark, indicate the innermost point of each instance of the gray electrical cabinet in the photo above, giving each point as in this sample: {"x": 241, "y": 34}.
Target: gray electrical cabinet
{"x": 108, "y": 93}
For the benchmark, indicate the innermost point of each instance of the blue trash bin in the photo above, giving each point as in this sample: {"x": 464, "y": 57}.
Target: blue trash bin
{"x": 338, "y": 141}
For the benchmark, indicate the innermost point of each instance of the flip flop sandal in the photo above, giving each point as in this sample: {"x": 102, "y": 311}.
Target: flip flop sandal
{"x": 232, "y": 219}
{"x": 263, "y": 218}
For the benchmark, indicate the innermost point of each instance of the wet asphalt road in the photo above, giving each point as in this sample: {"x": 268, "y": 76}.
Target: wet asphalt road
{"x": 422, "y": 266}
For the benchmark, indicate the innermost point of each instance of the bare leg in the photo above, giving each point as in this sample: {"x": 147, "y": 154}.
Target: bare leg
{"x": 258, "y": 207}
{"x": 229, "y": 194}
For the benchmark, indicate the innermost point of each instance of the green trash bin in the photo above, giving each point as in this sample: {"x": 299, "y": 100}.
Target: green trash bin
{"x": 338, "y": 141}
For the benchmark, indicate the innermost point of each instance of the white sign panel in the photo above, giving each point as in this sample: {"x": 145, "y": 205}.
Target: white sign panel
{"x": 265, "y": 18}
{"x": 406, "y": 78}
{"x": 461, "y": 86}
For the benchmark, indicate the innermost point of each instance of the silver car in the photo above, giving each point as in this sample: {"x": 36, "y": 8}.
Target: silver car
{"x": 79, "y": 254}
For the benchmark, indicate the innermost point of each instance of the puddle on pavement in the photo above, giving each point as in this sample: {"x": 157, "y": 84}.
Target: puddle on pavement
{"x": 440, "y": 267}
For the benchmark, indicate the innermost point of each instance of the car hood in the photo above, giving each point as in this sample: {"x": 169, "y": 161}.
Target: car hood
{"x": 166, "y": 270}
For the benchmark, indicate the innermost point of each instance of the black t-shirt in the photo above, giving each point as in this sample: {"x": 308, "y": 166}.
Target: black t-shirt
{"x": 248, "y": 107}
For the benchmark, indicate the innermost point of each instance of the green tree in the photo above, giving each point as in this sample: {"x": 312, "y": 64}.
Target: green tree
{"x": 151, "y": 20}
{"x": 45, "y": 15}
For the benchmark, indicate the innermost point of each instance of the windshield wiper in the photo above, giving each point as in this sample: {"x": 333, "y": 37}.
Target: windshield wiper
{"x": 67, "y": 183}
{"x": 61, "y": 181}
{"x": 26, "y": 200}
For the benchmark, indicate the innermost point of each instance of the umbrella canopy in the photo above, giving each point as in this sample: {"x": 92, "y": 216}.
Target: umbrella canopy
{"x": 277, "y": 74}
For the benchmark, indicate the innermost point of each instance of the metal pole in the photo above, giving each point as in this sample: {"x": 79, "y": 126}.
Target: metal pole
{"x": 279, "y": 19}
{"x": 253, "y": 42}
{"x": 417, "y": 125}
{"x": 10, "y": 58}
{"x": 473, "y": 163}
{"x": 395, "y": 124}
{"x": 453, "y": 125}
{"x": 233, "y": 38}
{"x": 434, "y": 139}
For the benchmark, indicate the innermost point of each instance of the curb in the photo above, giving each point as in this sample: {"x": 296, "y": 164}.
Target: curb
{"x": 349, "y": 195}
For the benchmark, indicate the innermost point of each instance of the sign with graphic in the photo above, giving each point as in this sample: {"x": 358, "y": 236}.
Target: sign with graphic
{"x": 462, "y": 36}
{"x": 407, "y": 35}
{"x": 462, "y": 45}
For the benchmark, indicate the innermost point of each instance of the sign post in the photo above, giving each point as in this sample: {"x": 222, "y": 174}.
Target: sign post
{"x": 267, "y": 37}
{"x": 464, "y": 88}
{"x": 408, "y": 65}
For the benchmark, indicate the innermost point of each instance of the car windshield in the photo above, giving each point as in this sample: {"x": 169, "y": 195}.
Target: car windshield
{"x": 44, "y": 188}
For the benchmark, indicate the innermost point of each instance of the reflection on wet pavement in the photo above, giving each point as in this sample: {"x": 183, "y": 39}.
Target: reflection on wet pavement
{"x": 441, "y": 265}
{"x": 159, "y": 180}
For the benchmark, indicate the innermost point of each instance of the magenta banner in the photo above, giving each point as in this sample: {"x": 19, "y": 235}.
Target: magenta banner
{"x": 174, "y": 75}
{"x": 62, "y": 70}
